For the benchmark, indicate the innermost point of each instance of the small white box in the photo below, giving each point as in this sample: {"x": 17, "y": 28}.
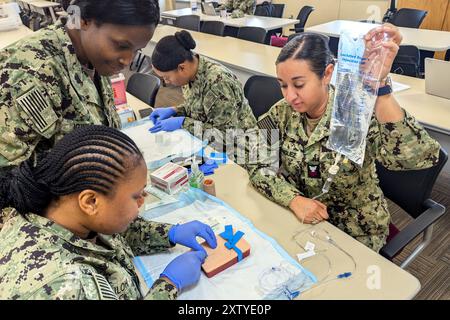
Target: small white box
{"x": 170, "y": 177}
{"x": 126, "y": 114}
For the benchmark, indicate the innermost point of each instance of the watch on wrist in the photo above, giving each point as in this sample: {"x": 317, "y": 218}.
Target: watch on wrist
{"x": 387, "y": 88}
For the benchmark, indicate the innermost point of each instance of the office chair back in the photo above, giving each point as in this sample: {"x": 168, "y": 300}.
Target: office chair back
{"x": 189, "y": 22}
{"x": 144, "y": 87}
{"x": 264, "y": 9}
{"x": 407, "y": 61}
{"x": 278, "y": 10}
{"x": 410, "y": 189}
{"x": 447, "y": 55}
{"x": 408, "y": 18}
{"x": 213, "y": 27}
{"x": 255, "y": 34}
{"x": 302, "y": 16}
{"x": 262, "y": 92}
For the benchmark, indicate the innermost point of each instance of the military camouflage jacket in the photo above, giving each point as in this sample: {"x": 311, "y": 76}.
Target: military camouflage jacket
{"x": 355, "y": 202}
{"x": 45, "y": 93}
{"x": 216, "y": 99}
{"x": 40, "y": 259}
{"x": 240, "y": 8}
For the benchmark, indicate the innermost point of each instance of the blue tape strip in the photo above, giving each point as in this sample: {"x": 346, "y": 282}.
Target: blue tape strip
{"x": 232, "y": 240}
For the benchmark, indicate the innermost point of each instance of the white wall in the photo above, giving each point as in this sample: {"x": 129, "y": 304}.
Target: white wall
{"x": 328, "y": 10}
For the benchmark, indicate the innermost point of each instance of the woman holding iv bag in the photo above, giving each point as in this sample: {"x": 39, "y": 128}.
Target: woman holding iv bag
{"x": 353, "y": 201}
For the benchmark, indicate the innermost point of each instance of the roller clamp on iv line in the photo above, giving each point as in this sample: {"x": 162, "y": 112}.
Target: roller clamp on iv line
{"x": 332, "y": 171}
{"x": 310, "y": 251}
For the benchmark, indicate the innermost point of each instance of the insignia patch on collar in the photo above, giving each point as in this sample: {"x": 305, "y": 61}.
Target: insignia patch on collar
{"x": 314, "y": 170}
{"x": 38, "y": 109}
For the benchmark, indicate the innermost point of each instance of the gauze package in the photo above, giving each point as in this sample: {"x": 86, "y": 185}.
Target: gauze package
{"x": 358, "y": 71}
{"x": 267, "y": 273}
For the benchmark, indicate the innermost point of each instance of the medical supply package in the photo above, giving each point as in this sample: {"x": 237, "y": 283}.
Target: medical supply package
{"x": 359, "y": 68}
{"x": 170, "y": 178}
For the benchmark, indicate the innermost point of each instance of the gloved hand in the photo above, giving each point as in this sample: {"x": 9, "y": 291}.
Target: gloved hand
{"x": 170, "y": 124}
{"x": 186, "y": 233}
{"x": 162, "y": 113}
{"x": 184, "y": 270}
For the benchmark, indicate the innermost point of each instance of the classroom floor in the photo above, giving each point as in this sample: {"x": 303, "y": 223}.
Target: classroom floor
{"x": 432, "y": 267}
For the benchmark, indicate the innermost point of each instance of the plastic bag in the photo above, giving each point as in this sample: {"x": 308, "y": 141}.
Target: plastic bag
{"x": 358, "y": 73}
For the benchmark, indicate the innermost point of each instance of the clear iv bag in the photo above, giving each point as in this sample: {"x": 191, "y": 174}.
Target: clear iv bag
{"x": 358, "y": 72}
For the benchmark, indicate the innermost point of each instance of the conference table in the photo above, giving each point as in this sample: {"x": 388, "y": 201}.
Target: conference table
{"x": 424, "y": 39}
{"x": 267, "y": 23}
{"x": 374, "y": 278}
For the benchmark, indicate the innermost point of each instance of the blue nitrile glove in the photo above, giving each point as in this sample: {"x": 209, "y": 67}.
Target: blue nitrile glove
{"x": 208, "y": 169}
{"x": 162, "y": 113}
{"x": 184, "y": 270}
{"x": 170, "y": 124}
{"x": 186, "y": 233}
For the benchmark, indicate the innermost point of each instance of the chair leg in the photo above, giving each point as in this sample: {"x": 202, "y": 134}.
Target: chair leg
{"x": 425, "y": 242}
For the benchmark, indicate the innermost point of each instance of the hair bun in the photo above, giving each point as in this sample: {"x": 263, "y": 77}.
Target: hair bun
{"x": 27, "y": 194}
{"x": 185, "y": 39}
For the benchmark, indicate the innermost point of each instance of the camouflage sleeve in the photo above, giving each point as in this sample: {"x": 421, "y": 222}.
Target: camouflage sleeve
{"x": 228, "y": 5}
{"x": 162, "y": 290}
{"x": 403, "y": 145}
{"x": 181, "y": 109}
{"x": 264, "y": 174}
{"x": 27, "y": 113}
{"x": 221, "y": 104}
{"x": 247, "y": 6}
{"x": 147, "y": 237}
{"x": 75, "y": 283}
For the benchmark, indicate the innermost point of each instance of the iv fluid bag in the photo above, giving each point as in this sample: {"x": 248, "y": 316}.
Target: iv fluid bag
{"x": 358, "y": 71}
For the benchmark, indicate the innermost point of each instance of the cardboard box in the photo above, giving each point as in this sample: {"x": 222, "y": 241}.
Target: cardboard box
{"x": 169, "y": 178}
{"x": 222, "y": 258}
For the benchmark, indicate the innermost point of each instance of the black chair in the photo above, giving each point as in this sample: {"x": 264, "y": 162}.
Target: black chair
{"x": 447, "y": 55}
{"x": 411, "y": 191}
{"x": 213, "y": 27}
{"x": 262, "y": 92}
{"x": 407, "y": 61}
{"x": 302, "y": 16}
{"x": 408, "y": 18}
{"x": 190, "y": 22}
{"x": 144, "y": 87}
{"x": 264, "y": 9}
{"x": 255, "y": 34}
{"x": 277, "y": 12}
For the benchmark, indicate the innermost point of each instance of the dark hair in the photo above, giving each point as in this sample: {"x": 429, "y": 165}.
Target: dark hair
{"x": 311, "y": 47}
{"x": 121, "y": 12}
{"x": 91, "y": 157}
{"x": 170, "y": 51}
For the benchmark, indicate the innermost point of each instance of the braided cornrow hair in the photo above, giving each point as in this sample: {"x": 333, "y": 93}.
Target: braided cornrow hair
{"x": 91, "y": 157}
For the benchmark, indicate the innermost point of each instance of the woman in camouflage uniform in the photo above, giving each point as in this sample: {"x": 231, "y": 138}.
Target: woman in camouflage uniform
{"x": 73, "y": 226}
{"x": 58, "y": 78}
{"x": 355, "y": 202}
{"x": 213, "y": 95}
